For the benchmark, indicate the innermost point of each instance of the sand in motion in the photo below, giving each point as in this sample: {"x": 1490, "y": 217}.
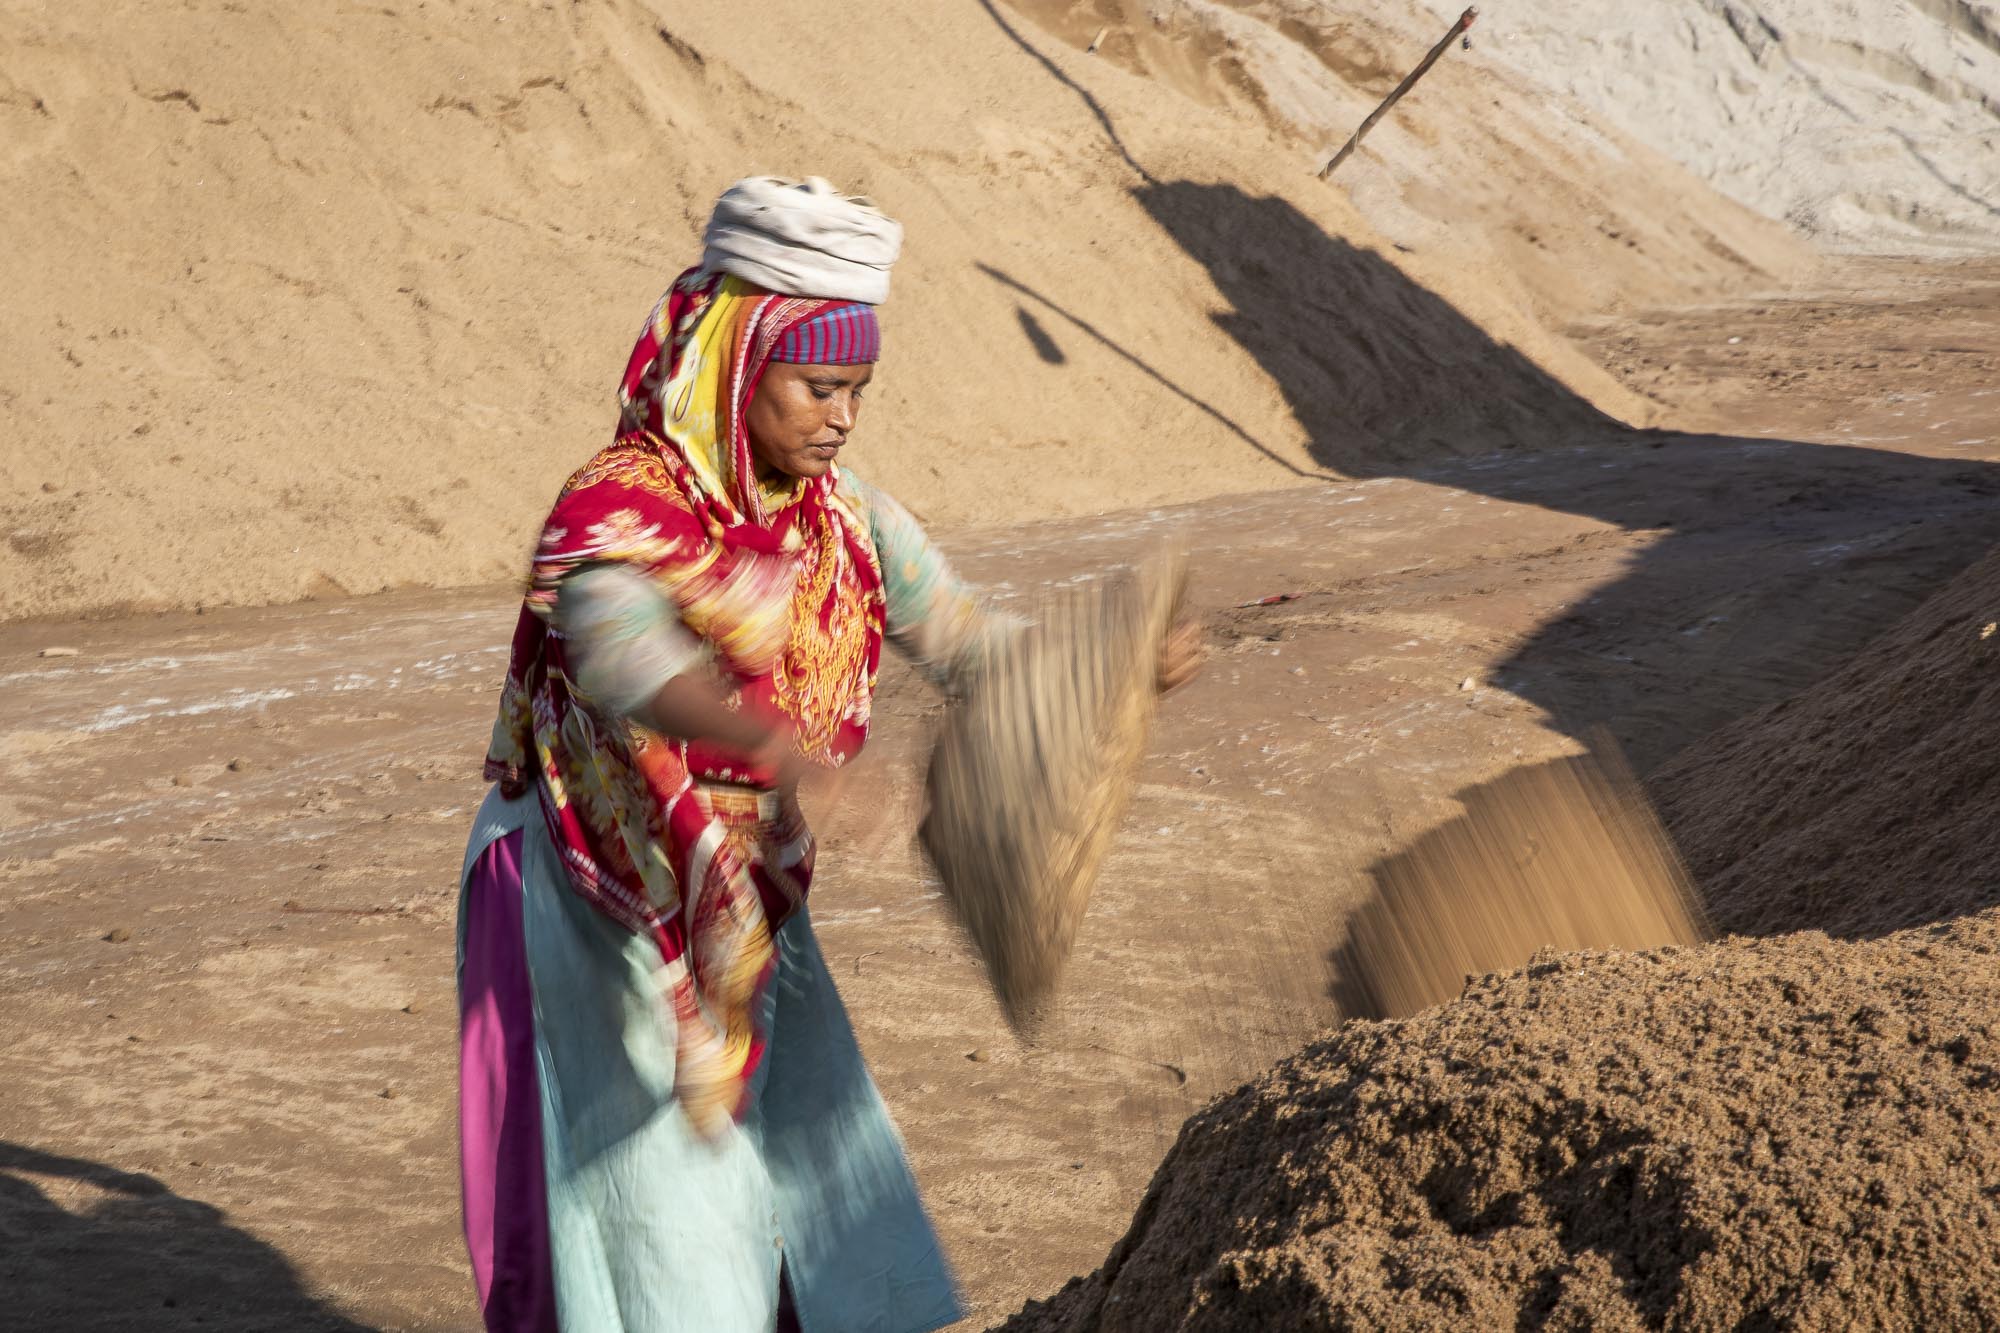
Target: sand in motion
{"x": 1562, "y": 383}
{"x": 1562, "y": 855}
{"x": 1793, "y": 1131}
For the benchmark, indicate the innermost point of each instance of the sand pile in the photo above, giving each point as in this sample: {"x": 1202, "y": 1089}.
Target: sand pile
{"x": 1871, "y": 801}
{"x": 308, "y": 299}
{"x": 1866, "y": 124}
{"x": 1869, "y": 124}
{"x": 1794, "y": 1133}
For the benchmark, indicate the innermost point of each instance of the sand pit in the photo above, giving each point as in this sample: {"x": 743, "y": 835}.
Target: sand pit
{"x": 1793, "y": 1133}
{"x": 1868, "y": 803}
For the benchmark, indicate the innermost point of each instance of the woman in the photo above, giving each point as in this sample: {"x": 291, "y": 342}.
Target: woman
{"x": 666, "y": 1123}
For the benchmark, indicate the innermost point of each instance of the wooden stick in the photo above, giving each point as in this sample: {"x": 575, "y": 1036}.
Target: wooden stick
{"x": 1465, "y": 21}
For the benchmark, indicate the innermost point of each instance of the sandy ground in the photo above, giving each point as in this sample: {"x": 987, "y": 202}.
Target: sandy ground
{"x": 228, "y": 841}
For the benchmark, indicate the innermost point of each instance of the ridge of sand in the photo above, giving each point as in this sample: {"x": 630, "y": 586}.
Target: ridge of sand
{"x": 1870, "y": 125}
{"x": 305, "y": 301}
{"x": 1869, "y": 803}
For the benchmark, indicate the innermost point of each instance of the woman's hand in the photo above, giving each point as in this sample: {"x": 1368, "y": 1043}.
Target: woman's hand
{"x": 779, "y": 756}
{"x": 1180, "y": 656}
{"x": 692, "y": 706}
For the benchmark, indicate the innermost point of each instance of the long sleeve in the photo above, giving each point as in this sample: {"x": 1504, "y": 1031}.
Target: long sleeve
{"x": 934, "y": 619}
{"x": 622, "y": 637}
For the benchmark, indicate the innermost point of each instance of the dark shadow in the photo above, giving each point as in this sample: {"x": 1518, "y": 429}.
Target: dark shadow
{"x": 1039, "y": 339}
{"x": 1381, "y": 373}
{"x": 1145, "y": 368}
{"x": 129, "y": 1254}
{"x": 1768, "y": 561}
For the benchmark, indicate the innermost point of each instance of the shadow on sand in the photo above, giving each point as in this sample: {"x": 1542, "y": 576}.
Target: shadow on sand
{"x": 1817, "y": 548}
{"x": 1767, "y": 562}
{"x": 1765, "y": 565}
{"x": 123, "y": 1252}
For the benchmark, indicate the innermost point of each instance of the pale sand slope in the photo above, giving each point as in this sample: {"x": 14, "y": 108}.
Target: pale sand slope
{"x": 1870, "y": 125}
{"x": 311, "y": 298}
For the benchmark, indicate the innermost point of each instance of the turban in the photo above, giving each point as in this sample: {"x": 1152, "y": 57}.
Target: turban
{"x": 803, "y": 238}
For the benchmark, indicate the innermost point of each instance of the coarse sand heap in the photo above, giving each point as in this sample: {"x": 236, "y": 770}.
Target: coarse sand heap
{"x": 1776, "y": 1133}
{"x": 312, "y": 300}
{"x": 1788, "y": 1131}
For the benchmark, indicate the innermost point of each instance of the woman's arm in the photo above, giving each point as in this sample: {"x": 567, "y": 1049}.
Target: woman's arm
{"x": 935, "y": 620}
{"x": 631, "y": 656}
{"x": 942, "y": 626}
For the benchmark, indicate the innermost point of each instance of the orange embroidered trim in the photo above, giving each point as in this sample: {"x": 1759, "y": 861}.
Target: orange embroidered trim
{"x": 824, "y": 662}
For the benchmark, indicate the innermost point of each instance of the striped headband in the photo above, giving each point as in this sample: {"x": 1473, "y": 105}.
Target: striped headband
{"x": 840, "y": 335}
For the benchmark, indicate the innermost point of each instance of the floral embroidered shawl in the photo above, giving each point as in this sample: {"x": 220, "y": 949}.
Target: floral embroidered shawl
{"x": 785, "y": 587}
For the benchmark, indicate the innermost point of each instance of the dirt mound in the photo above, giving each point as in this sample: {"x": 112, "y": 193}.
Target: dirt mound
{"x": 310, "y": 299}
{"x": 1871, "y": 801}
{"x": 1795, "y": 1133}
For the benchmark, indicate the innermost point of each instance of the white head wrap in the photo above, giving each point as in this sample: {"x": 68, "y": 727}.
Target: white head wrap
{"x": 803, "y": 238}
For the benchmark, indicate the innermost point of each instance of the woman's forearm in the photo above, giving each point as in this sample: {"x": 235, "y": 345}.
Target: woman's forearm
{"x": 691, "y": 707}
{"x": 633, "y": 658}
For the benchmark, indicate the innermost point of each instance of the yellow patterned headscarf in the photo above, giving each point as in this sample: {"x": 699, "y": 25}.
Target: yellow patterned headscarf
{"x": 694, "y": 398}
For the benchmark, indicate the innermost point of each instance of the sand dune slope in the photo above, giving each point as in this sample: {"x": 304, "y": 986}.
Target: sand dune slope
{"x": 305, "y": 299}
{"x": 1869, "y": 803}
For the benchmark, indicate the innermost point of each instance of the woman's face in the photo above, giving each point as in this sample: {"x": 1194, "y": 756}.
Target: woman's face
{"x": 800, "y": 416}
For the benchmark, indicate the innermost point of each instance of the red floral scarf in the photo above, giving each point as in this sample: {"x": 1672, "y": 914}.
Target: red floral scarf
{"x": 785, "y": 588}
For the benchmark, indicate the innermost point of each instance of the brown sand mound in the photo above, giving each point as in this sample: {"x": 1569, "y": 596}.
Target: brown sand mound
{"x": 1871, "y": 801}
{"x": 1565, "y": 855}
{"x": 316, "y": 298}
{"x": 1794, "y": 1133}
